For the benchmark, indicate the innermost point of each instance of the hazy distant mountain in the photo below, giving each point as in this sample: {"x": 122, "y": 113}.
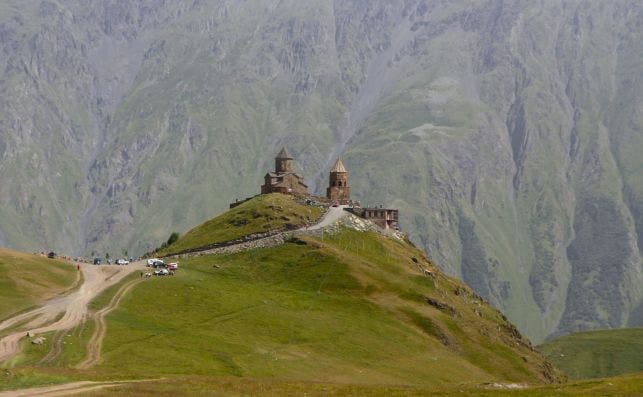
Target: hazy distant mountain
{"x": 509, "y": 133}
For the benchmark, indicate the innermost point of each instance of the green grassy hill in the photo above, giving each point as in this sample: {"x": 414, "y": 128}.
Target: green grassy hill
{"x": 351, "y": 308}
{"x": 597, "y": 354}
{"x": 27, "y": 279}
{"x": 260, "y": 214}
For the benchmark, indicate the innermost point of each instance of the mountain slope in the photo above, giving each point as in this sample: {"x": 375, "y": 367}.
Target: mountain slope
{"x": 508, "y": 133}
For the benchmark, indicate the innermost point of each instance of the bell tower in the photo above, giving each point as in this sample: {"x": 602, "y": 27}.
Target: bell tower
{"x": 338, "y": 189}
{"x": 283, "y": 161}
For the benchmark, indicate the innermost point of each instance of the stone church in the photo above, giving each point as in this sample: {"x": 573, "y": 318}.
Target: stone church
{"x": 284, "y": 179}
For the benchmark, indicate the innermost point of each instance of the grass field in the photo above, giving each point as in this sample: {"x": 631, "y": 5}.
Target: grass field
{"x": 597, "y": 354}
{"x": 350, "y": 308}
{"x": 261, "y": 214}
{"x": 27, "y": 279}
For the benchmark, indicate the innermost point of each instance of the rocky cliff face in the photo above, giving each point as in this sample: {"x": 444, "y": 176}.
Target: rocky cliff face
{"x": 508, "y": 133}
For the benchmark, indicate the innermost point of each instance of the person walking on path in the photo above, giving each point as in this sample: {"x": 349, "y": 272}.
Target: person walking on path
{"x": 78, "y": 266}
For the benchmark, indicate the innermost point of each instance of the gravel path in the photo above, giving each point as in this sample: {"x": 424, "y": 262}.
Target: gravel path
{"x": 73, "y": 306}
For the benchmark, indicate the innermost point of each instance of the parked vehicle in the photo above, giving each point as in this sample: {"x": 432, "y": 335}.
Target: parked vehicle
{"x": 152, "y": 261}
{"x": 97, "y": 261}
{"x": 161, "y": 272}
{"x": 173, "y": 266}
{"x": 51, "y": 255}
{"x": 158, "y": 264}
{"x": 122, "y": 262}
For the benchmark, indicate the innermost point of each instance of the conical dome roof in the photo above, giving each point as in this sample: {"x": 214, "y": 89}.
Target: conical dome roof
{"x": 338, "y": 167}
{"x": 283, "y": 154}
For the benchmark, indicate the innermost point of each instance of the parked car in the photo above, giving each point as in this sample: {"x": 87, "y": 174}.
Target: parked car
{"x": 97, "y": 261}
{"x": 122, "y": 262}
{"x": 152, "y": 261}
{"x": 158, "y": 264}
{"x": 51, "y": 255}
{"x": 161, "y": 272}
{"x": 173, "y": 266}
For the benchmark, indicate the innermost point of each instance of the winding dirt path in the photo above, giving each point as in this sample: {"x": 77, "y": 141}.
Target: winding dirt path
{"x": 73, "y": 306}
{"x": 56, "y": 348}
{"x": 95, "y": 343}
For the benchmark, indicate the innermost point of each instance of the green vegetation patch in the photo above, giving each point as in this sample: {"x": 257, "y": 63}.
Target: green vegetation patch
{"x": 261, "y": 214}
{"x": 288, "y": 311}
{"x": 597, "y": 354}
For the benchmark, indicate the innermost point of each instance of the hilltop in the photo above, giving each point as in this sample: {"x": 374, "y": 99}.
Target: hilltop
{"x": 262, "y": 214}
{"x": 597, "y": 354}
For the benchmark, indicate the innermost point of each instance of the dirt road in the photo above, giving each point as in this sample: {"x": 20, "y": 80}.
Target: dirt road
{"x": 72, "y": 306}
{"x": 333, "y": 214}
{"x": 68, "y": 389}
{"x": 96, "y": 341}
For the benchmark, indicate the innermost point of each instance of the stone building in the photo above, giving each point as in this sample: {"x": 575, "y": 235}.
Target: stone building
{"x": 338, "y": 189}
{"x": 284, "y": 179}
{"x": 386, "y": 218}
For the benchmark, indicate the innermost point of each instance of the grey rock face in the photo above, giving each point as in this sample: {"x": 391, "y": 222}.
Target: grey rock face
{"x": 508, "y": 133}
